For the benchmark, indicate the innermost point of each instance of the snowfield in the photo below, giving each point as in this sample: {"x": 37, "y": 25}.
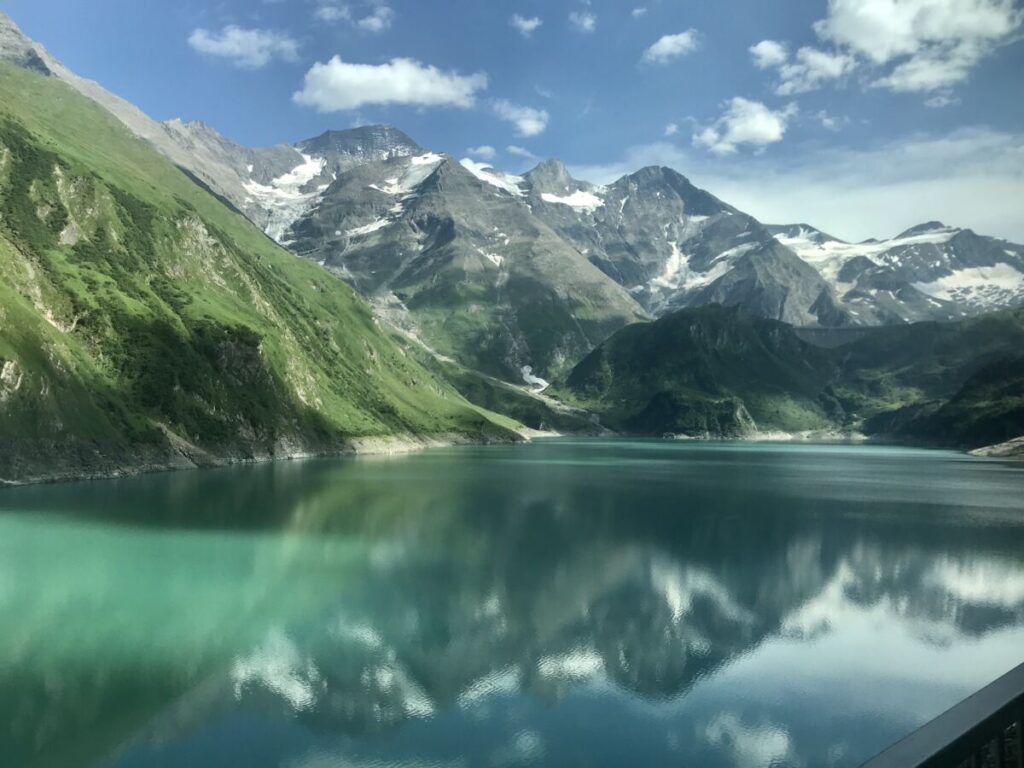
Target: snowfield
{"x": 979, "y": 285}
{"x": 580, "y": 200}
{"x": 284, "y": 199}
{"x": 503, "y": 181}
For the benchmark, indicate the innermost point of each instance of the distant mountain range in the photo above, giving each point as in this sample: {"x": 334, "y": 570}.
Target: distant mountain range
{"x": 520, "y": 276}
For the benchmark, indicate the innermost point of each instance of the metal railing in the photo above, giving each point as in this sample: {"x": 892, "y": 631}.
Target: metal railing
{"x": 985, "y": 730}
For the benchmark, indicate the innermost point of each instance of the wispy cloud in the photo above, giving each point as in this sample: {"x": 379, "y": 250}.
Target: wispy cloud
{"x": 484, "y": 152}
{"x": 526, "y": 27}
{"x": 522, "y": 152}
{"x": 583, "y": 21}
{"x": 245, "y": 48}
{"x": 527, "y": 120}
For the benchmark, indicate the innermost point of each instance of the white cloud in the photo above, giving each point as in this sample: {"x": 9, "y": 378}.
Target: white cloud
{"x": 245, "y": 48}
{"x": 884, "y": 30}
{"x": 910, "y": 46}
{"x": 523, "y": 152}
{"x": 331, "y": 12}
{"x": 830, "y": 122}
{"x": 639, "y": 11}
{"x": 768, "y": 54}
{"x": 971, "y": 177}
{"x": 337, "y": 85}
{"x": 745, "y": 122}
{"x": 931, "y": 70}
{"x": 807, "y": 71}
{"x": 525, "y": 26}
{"x": 583, "y": 21}
{"x": 811, "y": 68}
{"x": 669, "y": 47}
{"x": 378, "y": 21}
{"x": 527, "y": 120}
{"x": 672, "y": 129}
{"x": 941, "y": 100}
{"x": 484, "y": 152}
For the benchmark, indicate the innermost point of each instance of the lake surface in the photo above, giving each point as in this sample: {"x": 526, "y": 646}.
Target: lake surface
{"x": 564, "y": 603}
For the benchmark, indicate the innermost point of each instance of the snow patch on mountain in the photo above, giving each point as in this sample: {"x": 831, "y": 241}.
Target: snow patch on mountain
{"x": 999, "y": 284}
{"x": 678, "y": 275}
{"x": 503, "y": 181}
{"x": 418, "y": 170}
{"x": 581, "y": 200}
{"x": 822, "y": 252}
{"x": 287, "y": 198}
{"x": 366, "y": 229}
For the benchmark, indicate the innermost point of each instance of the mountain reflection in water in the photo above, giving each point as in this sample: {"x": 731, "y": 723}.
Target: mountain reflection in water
{"x": 563, "y": 603}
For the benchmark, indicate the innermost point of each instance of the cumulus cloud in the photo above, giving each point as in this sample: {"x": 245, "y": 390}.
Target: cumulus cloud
{"x": 906, "y": 46}
{"x": 971, "y": 177}
{"x": 670, "y": 47}
{"x": 337, "y": 85}
{"x": 768, "y": 54}
{"x": 672, "y": 129}
{"x": 523, "y": 152}
{"x": 583, "y": 21}
{"x": 525, "y": 26}
{"x": 884, "y": 30}
{"x": 527, "y": 120}
{"x": 245, "y": 48}
{"x": 744, "y": 123}
{"x": 484, "y": 152}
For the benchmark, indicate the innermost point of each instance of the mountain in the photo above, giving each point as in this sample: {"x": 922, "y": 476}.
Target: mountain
{"x": 519, "y": 277}
{"x": 456, "y": 258}
{"x": 928, "y": 272}
{"x": 716, "y": 371}
{"x": 673, "y": 245}
{"x": 143, "y": 324}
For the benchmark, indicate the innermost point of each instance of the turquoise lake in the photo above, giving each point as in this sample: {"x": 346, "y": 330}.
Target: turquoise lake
{"x": 562, "y": 603}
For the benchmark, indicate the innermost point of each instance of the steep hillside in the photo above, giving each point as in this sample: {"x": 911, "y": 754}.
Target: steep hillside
{"x": 144, "y": 324}
{"x": 711, "y": 370}
{"x": 717, "y": 371}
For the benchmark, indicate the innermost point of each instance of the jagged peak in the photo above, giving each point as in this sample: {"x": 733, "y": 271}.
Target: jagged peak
{"x": 376, "y": 137}
{"x": 552, "y": 175}
{"x": 922, "y": 229}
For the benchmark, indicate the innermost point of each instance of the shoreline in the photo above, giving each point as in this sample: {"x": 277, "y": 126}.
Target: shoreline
{"x": 381, "y": 445}
{"x": 398, "y": 445}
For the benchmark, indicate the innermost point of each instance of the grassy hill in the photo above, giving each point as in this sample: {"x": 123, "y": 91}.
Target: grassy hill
{"x": 144, "y": 324}
{"x": 716, "y": 371}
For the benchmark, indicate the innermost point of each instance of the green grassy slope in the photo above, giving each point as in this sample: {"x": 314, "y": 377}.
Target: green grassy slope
{"x": 717, "y": 371}
{"x": 706, "y": 370}
{"x": 142, "y": 321}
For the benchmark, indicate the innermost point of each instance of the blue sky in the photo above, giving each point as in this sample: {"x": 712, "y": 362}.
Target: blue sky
{"x": 862, "y": 117}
